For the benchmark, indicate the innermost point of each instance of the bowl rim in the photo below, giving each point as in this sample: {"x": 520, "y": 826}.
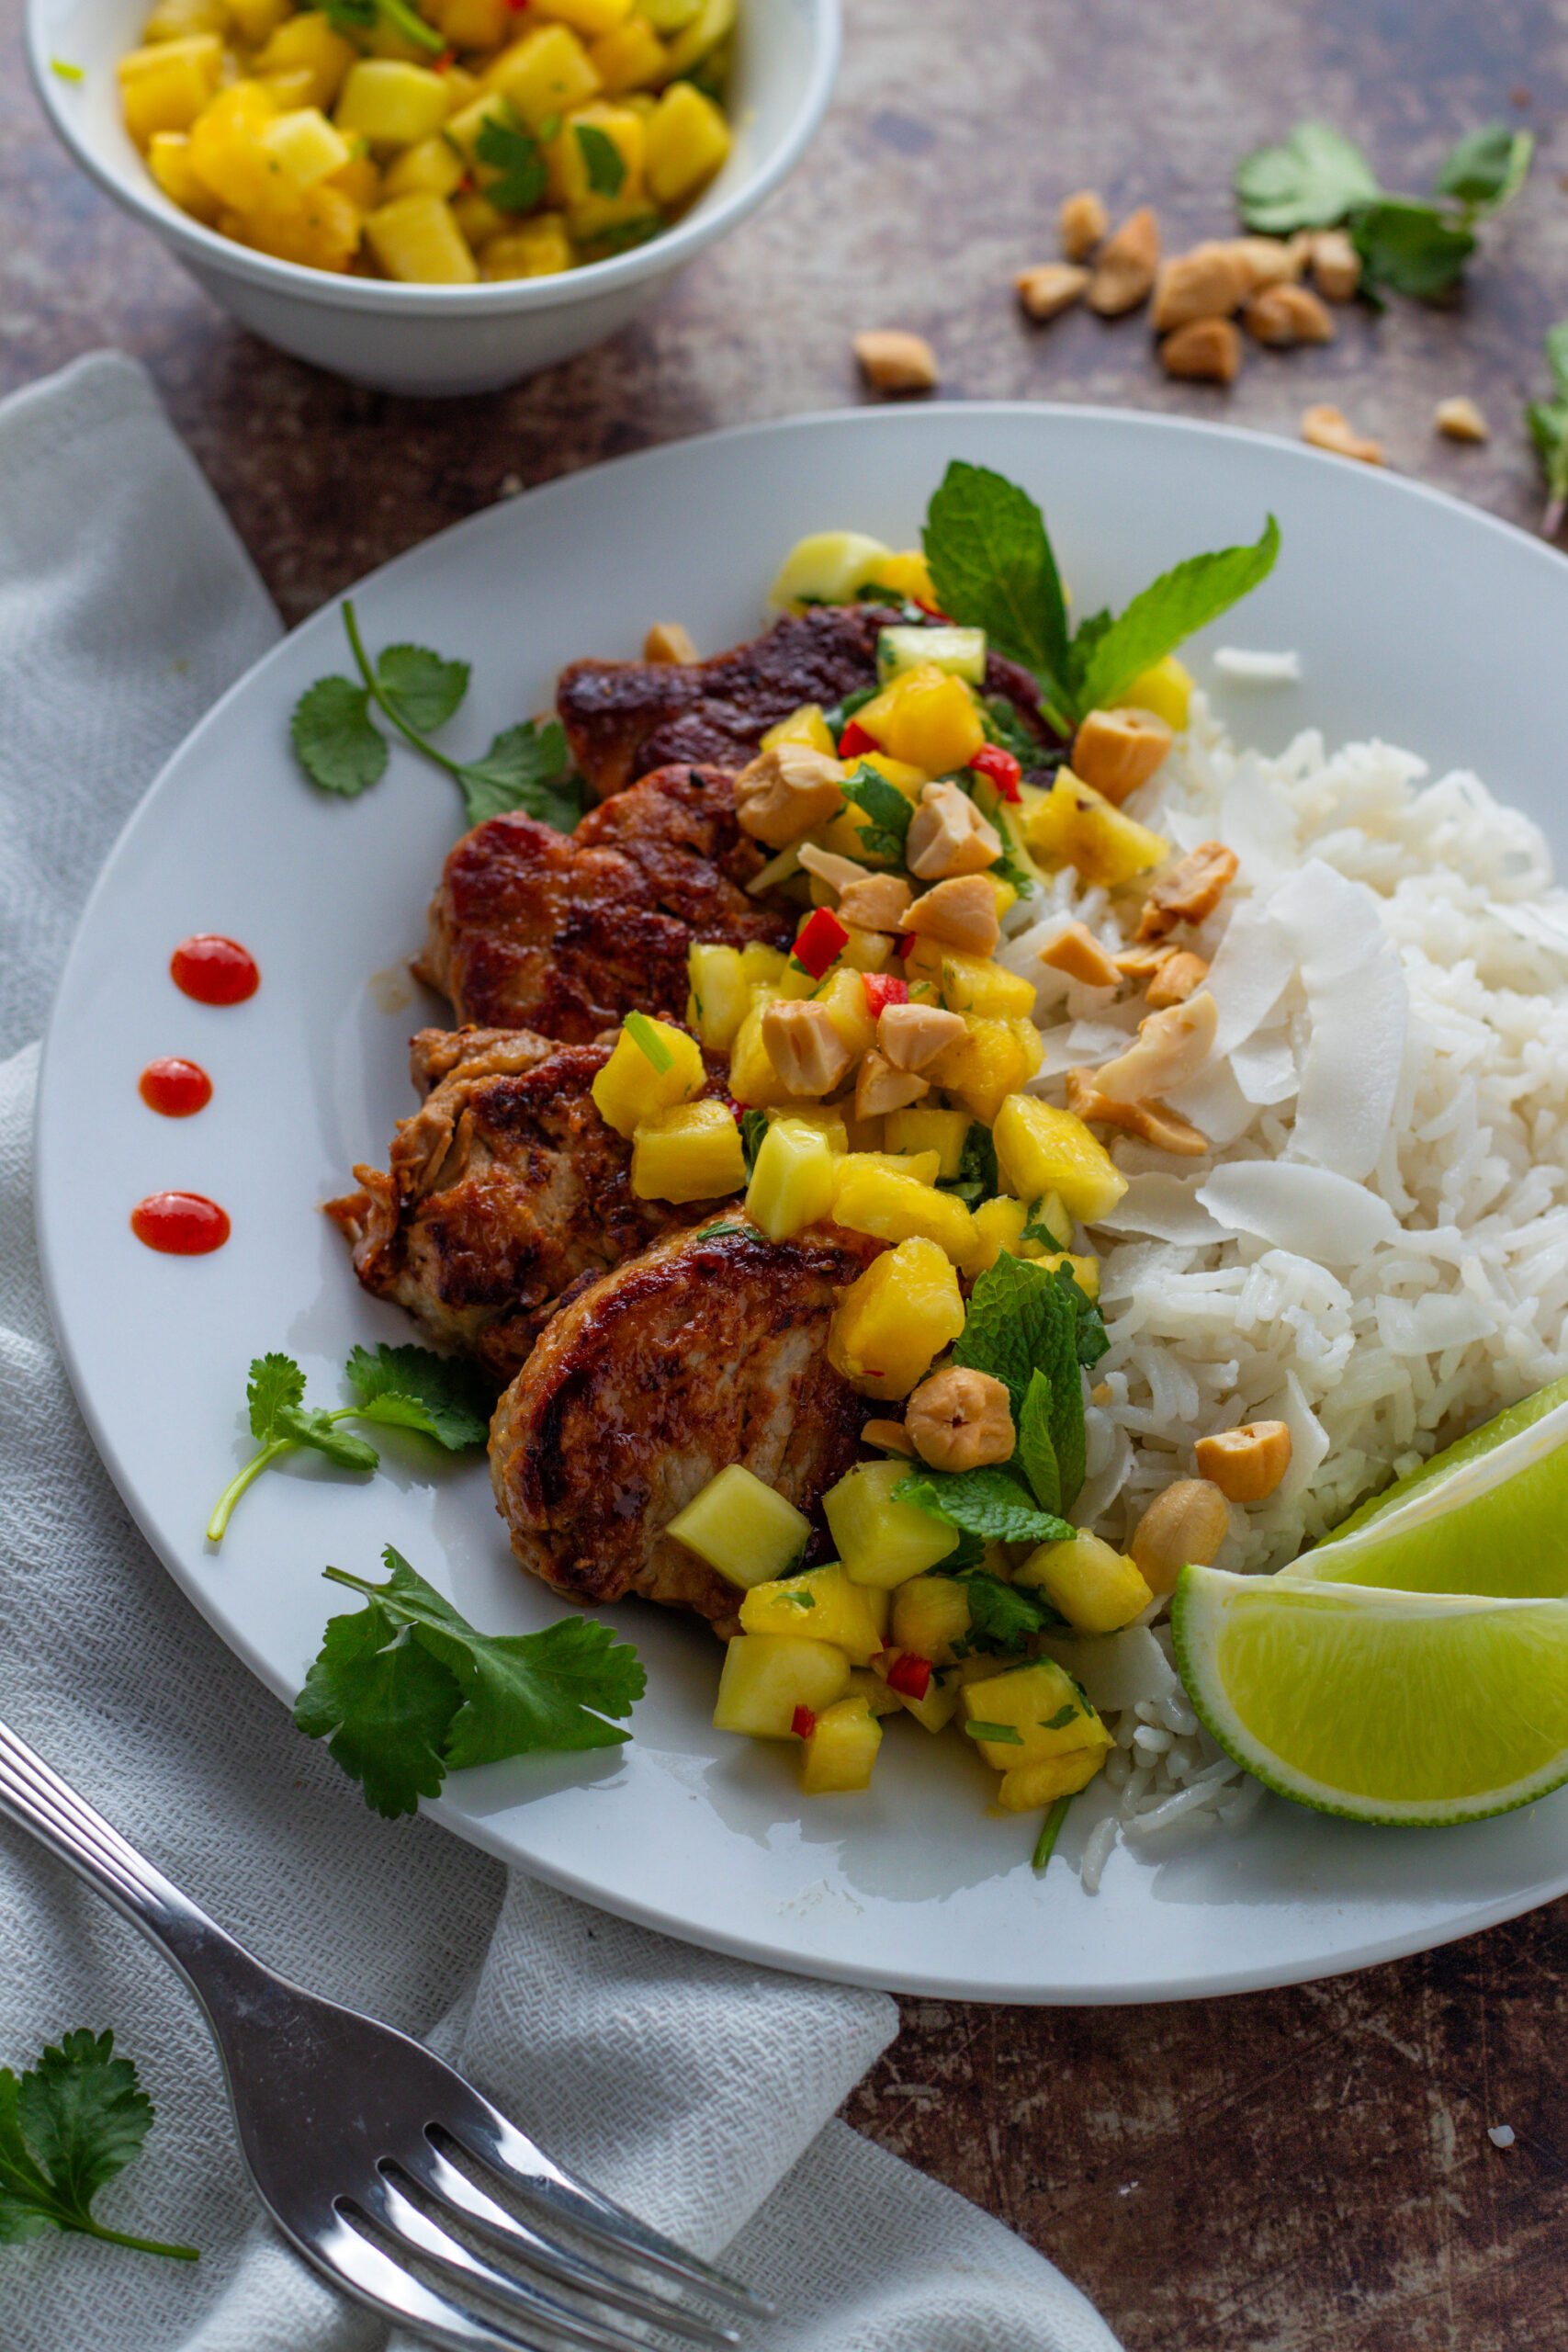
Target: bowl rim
{"x": 205, "y": 249}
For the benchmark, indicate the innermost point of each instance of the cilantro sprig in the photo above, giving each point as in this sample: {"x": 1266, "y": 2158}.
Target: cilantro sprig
{"x": 993, "y": 567}
{"x": 510, "y": 149}
{"x": 407, "y": 1388}
{"x": 341, "y": 750}
{"x": 405, "y": 1690}
{"x": 356, "y": 19}
{"x": 888, "y": 808}
{"x": 67, "y": 2126}
{"x": 1548, "y": 422}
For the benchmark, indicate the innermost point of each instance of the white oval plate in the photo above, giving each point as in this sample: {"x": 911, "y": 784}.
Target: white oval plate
{"x": 1417, "y": 619}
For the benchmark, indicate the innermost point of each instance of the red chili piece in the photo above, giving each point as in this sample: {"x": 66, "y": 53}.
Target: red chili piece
{"x": 821, "y": 940}
{"x": 935, "y": 611}
{"x": 175, "y": 1087}
{"x": 909, "y": 1674}
{"x": 856, "y": 739}
{"x": 181, "y": 1225}
{"x": 881, "y": 990}
{"x": 214, "y": 970}
{"x": 1000, "y": 766}
{"x": 803, "y": 1723}
{"x": 905, "y": 944}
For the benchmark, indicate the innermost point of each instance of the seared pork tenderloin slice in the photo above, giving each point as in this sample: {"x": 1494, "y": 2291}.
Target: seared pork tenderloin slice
{"x": 502, "y": 1190}
{"x": 564, "y": 933}
{"x": 709, "y": 1349}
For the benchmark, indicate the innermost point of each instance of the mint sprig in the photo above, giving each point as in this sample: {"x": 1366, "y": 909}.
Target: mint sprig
{"x": 67, "y": 2126}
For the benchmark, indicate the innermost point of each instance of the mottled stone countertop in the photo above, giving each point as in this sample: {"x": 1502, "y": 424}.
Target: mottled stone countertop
{"x": 1290, "y": 2171}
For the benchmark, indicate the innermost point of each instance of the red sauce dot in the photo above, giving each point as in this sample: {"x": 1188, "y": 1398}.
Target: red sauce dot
{"x": 183, "y": 1224}
{"x": 175, "y": 1087}
{"x": 214, "y": 970}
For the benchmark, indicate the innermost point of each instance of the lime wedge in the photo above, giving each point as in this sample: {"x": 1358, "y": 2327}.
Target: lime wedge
{"x": 1488, "y": 1515}
{"x": 1420, "y": 1708}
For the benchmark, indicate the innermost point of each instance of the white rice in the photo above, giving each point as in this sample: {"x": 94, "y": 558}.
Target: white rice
{"x": 1383, "y": 1260}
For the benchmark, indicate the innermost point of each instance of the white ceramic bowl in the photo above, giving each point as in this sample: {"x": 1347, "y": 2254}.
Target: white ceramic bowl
{"x": 437, "y": 339}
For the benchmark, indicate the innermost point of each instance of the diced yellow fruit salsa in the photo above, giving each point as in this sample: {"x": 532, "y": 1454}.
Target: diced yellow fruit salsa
{"x": 436, "y": 142}
{"x": 878, "y": 1075}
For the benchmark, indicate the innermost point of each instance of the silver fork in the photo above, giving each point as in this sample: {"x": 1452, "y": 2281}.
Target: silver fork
{"x": 339, "y": 2119}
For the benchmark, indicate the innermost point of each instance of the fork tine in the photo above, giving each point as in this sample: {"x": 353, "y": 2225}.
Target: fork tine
{"x": 484, "y": 2132}
{"x": 352, "y": 2263}
{"x": 432, "y": 2172}
{"x": 386, "y": 2204}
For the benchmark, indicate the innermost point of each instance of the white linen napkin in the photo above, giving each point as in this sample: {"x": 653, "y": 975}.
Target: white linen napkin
{"x": 697, "y": 2089}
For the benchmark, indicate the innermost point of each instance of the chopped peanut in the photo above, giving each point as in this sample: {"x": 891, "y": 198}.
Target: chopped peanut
{"x": 1076, "y": 952}
{"x": 783, "y": 792}
{"x": 1336, "y": 264}
{"x": 1205, "y": 351}
{"x": 879, "y": 902}
{"x": 960, "y": 1419}
{"x": 668, "y": 641}
{"x": 1050, "y": 288}
{"x": 1269, "y": 260}
{"x": 1152, "y": 1123}
{"x": 1281, "y": 315}
{"x": 1460, "y": 420}
{"x": 1190, "y": 891}
{"x": 1176, "y": 978}
{"x": 894, "y": 361}
{"x": 911, "y": 1036}
{"x": 1328, "y": 428}
{"x": 1186, "y": 1524}
{"x": 1081, "y": 223}
{"x": 1169, "y": 1048}
{"x": 1144, "y": 962}
{"x": 948, "y": 835}
{"x": 1209, "y": 282}
{"x": 961, "y": 912}
{"x": 804, "y": 1047}
{"x": 1124, "y": 272}
{"x": 880, "y": 1087}
{"x": 891, "y": 1436}
{"x": 1246, "y": 1463}
{"x": 1116, "y": 750}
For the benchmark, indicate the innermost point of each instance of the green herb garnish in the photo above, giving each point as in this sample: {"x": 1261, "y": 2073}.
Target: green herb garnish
{"x": 993, "y": 1504}
{"x": 526, "y": 767}
{"x": 66, "y": 71}
{"x": 407, "y": 1388}
{"x": 405, "y": 1690}
{"x": 1046, "y": 1843}
{"x": 645, "y": 1036}
{"x": 513, "y": 153}
{"x": 602, "y": 160}
{"x": 1548, "y": 422}
{"x": 67, "y": 2126}
{"x": 887, "y": 809}
{"x": 754, "y": 1128}
{"x": 1008, "y": 1734}
{"x": 976, "y": 1180}
{"x": 1003, "y": 1618}
{"x": 1313, "y": 179}
{"x": 356, "y": 18}
{"x": 1062, "y": 1718}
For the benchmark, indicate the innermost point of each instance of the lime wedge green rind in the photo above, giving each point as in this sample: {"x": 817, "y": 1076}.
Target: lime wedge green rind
{"x": 1414, "y": 1708}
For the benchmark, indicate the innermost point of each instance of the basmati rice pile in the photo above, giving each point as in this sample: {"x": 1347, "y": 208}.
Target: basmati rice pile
{"x": 1375, "y": 1250}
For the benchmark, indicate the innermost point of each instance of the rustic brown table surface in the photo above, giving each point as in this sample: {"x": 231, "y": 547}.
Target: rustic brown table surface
{"x": 1307, "y": 2169}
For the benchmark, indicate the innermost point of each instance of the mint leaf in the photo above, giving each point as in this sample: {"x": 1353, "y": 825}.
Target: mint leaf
{"x": 1180, "y": 602}
{"x": 1036, "y": 1455}
{"x": 425, "y": 690}
{"x": 1485, "y": 170}
{"x": 67, "y": 2127}
{"x": 412, "y": 1387}
{"x": 1310, "y": 180}
{"x": 602, "y": 158}
{"x": 992, "y": 567}
{"x": 515, "y": 155}
{"x": 992, "y": 1504}
{"x": 526, "y": 767}
{"x": 1410, "y": 248}
{"x": 334, "y": 739}
{"x": 1003, "y": 1618}
{"x": 888, "y": 808}
{"x": 1014, "y": 1325}
{"x": 275, "y": 1384}
{"x": 384, "y": 1705}
{"x": 977, "y": 1178}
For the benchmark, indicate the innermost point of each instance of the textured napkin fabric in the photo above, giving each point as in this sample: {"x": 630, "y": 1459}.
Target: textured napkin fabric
{"x": 697, "y": 2089}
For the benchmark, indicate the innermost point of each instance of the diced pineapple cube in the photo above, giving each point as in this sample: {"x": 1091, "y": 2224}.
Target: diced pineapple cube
{"x": 1027, "y": 1787}
{"x": 882, "y": 1539}
{"x": 919, "y": 1130}
{"x": 306, "y": 144}
{"x": 537, "y": 248}
{"x": 1084, "y": 1271}
{"x": 925, "y": 1166}
{"x": 840, "y": 1748}
{"x": 989, "y": 1062}
{"x": 416, "y": 238}
{"x": 1075, "y": 826}
{"x": 690, "y": 1153}
{"x": 999, "y": 1224}
{"x": 225, "y": 152}
{"x": 760, "y": 963}
{"x": 698, "y": 32}
{"x": 430, "y": 167}
{"x": 767, "y": 1676}
{"x": 168, "y": 160}
{"x": 359, "y": 180}
{"x": 974, "y": 984}
{"x": 471, "y": 24}
{"x": 843, "y": 994}
{"x": 906, "y": 574}
{"x": 747, "y": 1531}
{"x": 828, "y": 1118}
{"x": 826, "y": 567}
{"x": 936, "y": 1709}
{"x": 791, "y": 1179}
{"x": 651, "y": 1068}
{"x": 630, "y": 58}
{"x": 1041, "y": 1709}
{"x": 255, "y": 21}
{"x": 479, "y": 222}
{"x": 892, "y": 1323}
{"x": 720, "y": 997}
{"x": 306, "y": 44}
{"x": 391, "y": 104}
{"x": 928, "y": 717}
{"x": 806, "y": 725}
{"x": 1043, "y": 1149}
{"x": 898, "y": 1207}
{"x": 1166, "y": 690}
{"x": 688, "y": 139}
{"x": 865, "y": 951}
{"x": 822, "y": 1601}
{"x": 591, "y": 16}
{"x": 175, "y": 19}
{"x": 1096, "y": 1589}
{"x": 753, "y": 1080}
{"x": 865, "y": 1684}
{"x": 166, "y": 85}
{"x": 547, "y": 73}
{"x": 318, "y": 227}
{"x": 930, "y": 1614}
{"x": 586, "y": 168}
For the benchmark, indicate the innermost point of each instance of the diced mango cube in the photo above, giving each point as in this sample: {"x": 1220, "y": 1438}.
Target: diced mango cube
{"x": 688, "y": 139}
{"x": 225, "y": 152}
{"x": 392, "y": 103}
{"x": 766, "y": 1676}
{"x": 930, "y": 1614}
{"x": 1027, "y": 1787}
{"x": 748, "y": 1530}
{"x": 168, "y": 160}
{"x": 651, "y": 1068}
{"x": 547, "y": 73}
{"x": 974, "y": 984}
{"x": 630, "y": 58}
{"x": 989, "y": 1062}
{"x": 882, "y": 1539}
{"x": 1043, "y": 1149}
{"x": 430, "y": 167}
{"x": 840, "y": 1748}
{"x": 843, "y": 994}
{"x": 892, "y": 1323}
{"x": 806, "y": 725}
{"x": 927, "y": 717}
{"x": 1096, "y": 1589}
{"x": 306, "y": 144}
{"x": 898, "y": 1207}
{"x": 307, "y": 45}
{"x": 791, "y": 1179}
{"x": 921, "y": 1130}
{"x": 539, "y": 247}
{"x": 165, "y": 86}
{"x": 1037, "y": 1711}
{"x": 821, "y": 1601}
{"x": 690, "y": 1153}
{"x": 1166, "y": 690}
{"x": 720, "y": 996}
{"x": 416, "y": 238}
{"x": 1075, "y": 826}
{"x": 906, "y": 574}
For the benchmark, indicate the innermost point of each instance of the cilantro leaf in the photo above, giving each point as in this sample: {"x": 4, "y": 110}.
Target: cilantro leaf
{"x": 992, "y": 567}
{"x": 977, "y": 1178}
{"x": 276, "y": 1383}
{"x": 602, "y": 158}
{"x": 526, "y": 767}
{"x": 334, "y": 739}
{"x": 1548, "y": 422}
{"x": 1310, "y": 180}
{"x": 311, "y": 1425}
{"x": 412, "y": 1387}
{"x": 1003, "y": 726}
{"x": 993, "y": 1504}
{"x": 889, "y": 810}
{"x": 67, "y": 2126}
{"x": 1485, "y": 170}
{"x": 515, "y": 155}
{"x": 1003, "y": 1618}
{"x": 1036, "y": 1448}
{"x": 1409, "y": 248}
{"x": 754, "y": 1128}
{"x": 1180, "y": 602}
{"x": 384, "y": 1704}
{"x": 425, "y": 690}
{"x": 357, "y": 19}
